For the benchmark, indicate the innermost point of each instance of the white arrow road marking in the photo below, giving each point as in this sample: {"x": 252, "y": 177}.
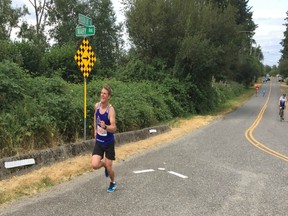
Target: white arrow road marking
{"x": 177, "y": 174}
{"x": 144, "y": 171}
{"x": 161, "y": 169}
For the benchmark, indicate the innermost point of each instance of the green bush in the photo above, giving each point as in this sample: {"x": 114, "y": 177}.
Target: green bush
{"x": 137, "y": 105}
{"x": 10, "y": 52}
{"x": 12, "y": 85}
{"x": 43, "y": 112}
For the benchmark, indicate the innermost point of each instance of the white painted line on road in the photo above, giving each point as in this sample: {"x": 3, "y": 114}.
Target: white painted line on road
{"x": 177, "y": 174}
{"x": 162, "y": 169}
{"x": 144, "y": 171}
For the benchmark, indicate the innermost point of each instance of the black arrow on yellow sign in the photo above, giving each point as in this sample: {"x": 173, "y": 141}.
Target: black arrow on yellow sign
{"x": 85, "y": 57}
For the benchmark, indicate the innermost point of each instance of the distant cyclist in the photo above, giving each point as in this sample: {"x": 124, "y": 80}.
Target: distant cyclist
{"x": 282, "y": 105}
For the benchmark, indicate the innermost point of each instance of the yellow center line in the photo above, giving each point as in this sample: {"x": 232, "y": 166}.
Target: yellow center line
{"x": 249, "y": 133}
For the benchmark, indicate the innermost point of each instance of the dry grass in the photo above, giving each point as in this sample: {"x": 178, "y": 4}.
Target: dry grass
{"x": 46, "y": 177}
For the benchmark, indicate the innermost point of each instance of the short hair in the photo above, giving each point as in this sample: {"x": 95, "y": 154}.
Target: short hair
{"x": 108, "y": 88}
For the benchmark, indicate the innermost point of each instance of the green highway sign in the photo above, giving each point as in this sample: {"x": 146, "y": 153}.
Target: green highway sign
{"x": 85, "y": 31}
{"x": 84, "y": 20}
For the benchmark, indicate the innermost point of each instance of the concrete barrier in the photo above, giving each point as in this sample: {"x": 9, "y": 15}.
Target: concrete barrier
{"x": 49, "y": 156}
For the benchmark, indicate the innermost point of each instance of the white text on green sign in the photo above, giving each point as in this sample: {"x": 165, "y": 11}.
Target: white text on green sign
{"x": 85, "y": 31}
{"x": 84, "y": 20}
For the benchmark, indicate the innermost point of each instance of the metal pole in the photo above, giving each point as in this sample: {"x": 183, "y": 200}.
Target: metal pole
{"x": 84, "y": 108}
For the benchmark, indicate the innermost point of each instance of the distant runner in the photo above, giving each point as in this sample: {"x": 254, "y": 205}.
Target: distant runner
{"x": 257, "y": 89}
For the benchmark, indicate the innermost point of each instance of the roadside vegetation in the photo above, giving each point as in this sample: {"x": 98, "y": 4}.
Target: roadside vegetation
{"x": 46, "y": 177}
{"x": 45, "y": 112}
{"x": 184, "y": 58}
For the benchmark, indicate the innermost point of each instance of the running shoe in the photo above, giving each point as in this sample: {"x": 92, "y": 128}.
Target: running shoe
{"x": 106, "y": 173}
{"x": 112, "y": 187}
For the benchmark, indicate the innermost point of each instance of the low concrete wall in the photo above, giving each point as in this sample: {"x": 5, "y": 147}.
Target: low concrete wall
{"x": 52, "y": 155}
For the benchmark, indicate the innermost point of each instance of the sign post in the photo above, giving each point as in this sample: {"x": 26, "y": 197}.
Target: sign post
{"x": 85, "y": 57}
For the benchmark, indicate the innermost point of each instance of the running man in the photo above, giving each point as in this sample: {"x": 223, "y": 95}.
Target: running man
{"x": 104, "y": 129}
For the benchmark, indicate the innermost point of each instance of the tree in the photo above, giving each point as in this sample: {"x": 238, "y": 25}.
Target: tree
{"x": 60, "y": 61}
{"x": 244, "y": 14}
{"x": 63, "y": 16}
{"x": 158, "y": 28}
{"x": 283, "y": 67}
{"x": 10, "y": 52}
{"x": 243, "y": 40}
{"x": 155, "y": 28}
{"x": 9, "y": 18}
{"x": 283, "y": 62}
{"x": 284, "y": 41}
{"x": 35, "y": 33}
{"x": 106, "y": 42}
{"x": 31, "y": 54}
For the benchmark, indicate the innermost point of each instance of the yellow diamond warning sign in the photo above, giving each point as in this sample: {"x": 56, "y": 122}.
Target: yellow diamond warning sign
{"x": 85, "y": 57}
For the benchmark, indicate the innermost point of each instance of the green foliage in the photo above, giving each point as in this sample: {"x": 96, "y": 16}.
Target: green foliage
{"x": 60, "y": 60}
{"x": 184, "y": 54}
{"x": 136, "y": 70}
{"x": 9, "y": 18}
{"x": 40, "y": 112}
{"x": 106, "y": 42}
{"x": 226, "y": 91}
{"x": 196, "y": 60}
{"x": 63, "y": 16}
{"x": 284, "y": 41}
{"x": 10, "y": 52}
{"x": 31, "y": 55}
{"x": 172, "y": 30}
{"x": 12, "y": 85}
{"x": 56, "y": 101}
{"x": 137, "y": 105}
{"x": 283, "y": 62}
{"x": 283, "y": 66}
{"x": 247, "y": 71}
{"x": 44, "y": 112}
{"x": 152, "y": 28}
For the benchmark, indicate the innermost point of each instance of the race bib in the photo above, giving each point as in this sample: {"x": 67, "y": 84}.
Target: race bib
{"x": 101, "y": 131}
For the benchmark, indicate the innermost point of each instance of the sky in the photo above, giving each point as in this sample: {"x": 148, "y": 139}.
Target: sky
{"x": 269, "y": 15}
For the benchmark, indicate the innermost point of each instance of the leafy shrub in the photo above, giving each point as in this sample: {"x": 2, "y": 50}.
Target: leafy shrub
{"x": 60, "y": 61}
{"x": 137, "y": 105}
{"x": 31, "y": 55}
{"x": 12, "y": 84}
{"x": 10, "y": 52}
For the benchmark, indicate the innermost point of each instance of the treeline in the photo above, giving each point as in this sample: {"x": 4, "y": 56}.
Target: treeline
{"x": 186, "y": 57}
{"x": 283, "y": 62}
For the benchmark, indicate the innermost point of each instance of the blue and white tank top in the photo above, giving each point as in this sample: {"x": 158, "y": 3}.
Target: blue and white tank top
{"x": 282, "y": 101}
{"x": 103, "y": 136}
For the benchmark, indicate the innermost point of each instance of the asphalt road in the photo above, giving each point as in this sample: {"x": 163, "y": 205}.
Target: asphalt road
{"x": 237, "y": 165}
